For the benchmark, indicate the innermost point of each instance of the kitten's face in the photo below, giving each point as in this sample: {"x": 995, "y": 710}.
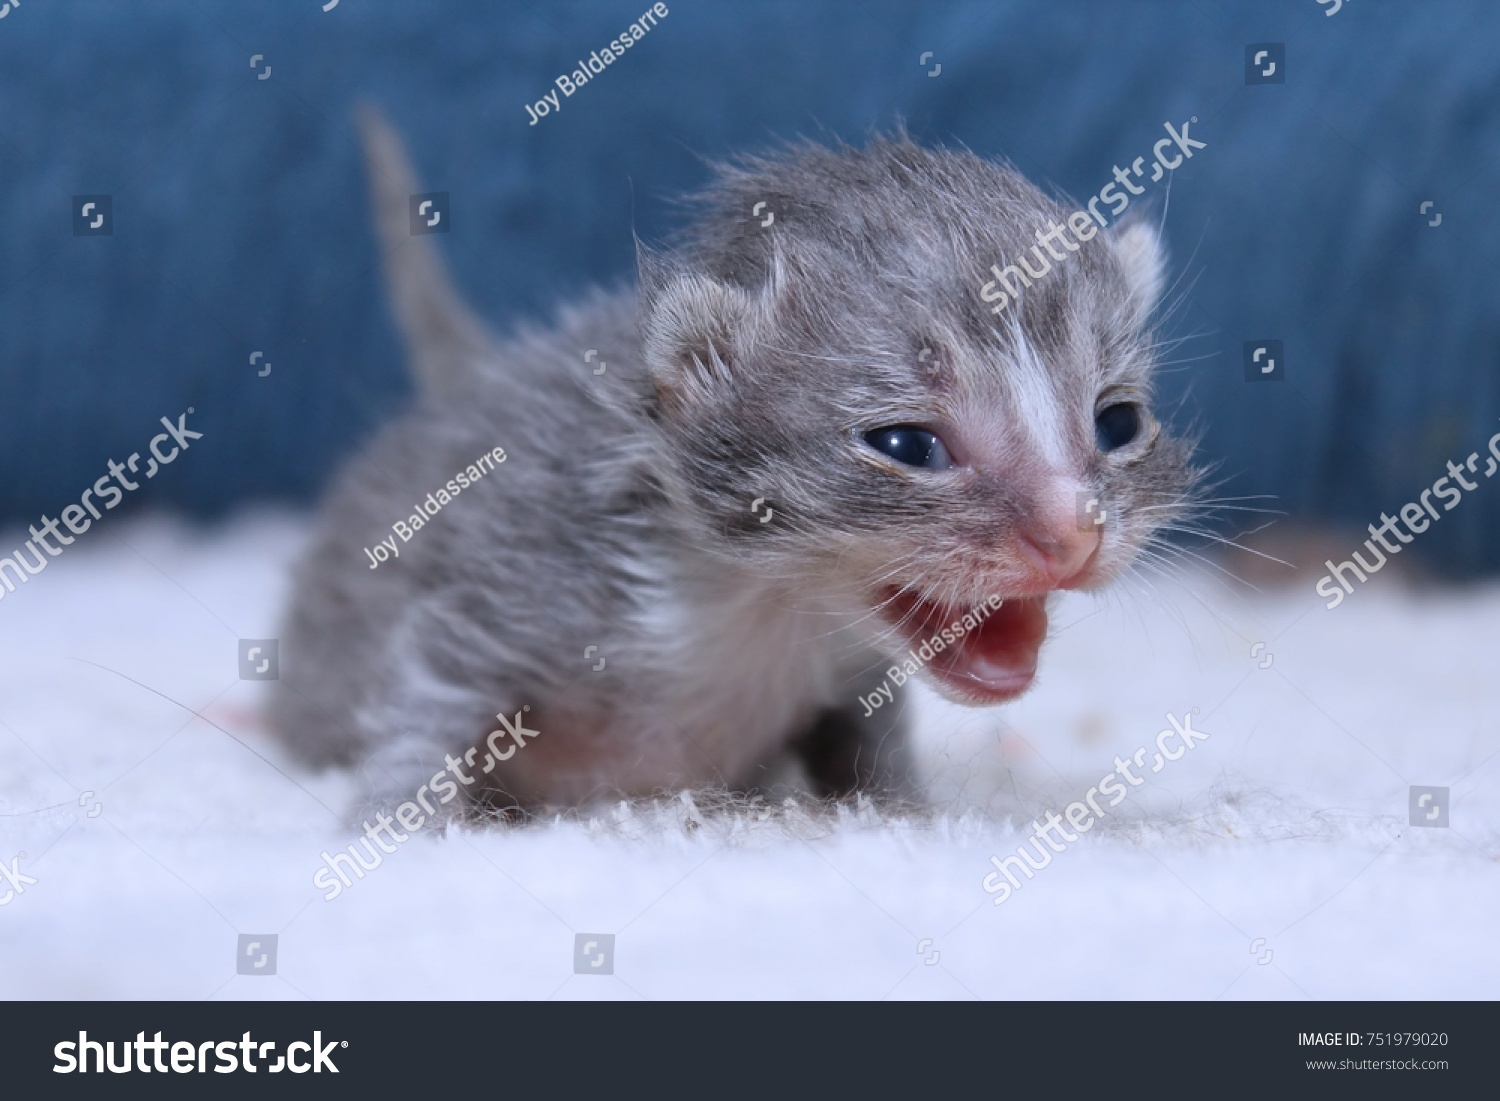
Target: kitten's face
{"x": 914, "y": 455}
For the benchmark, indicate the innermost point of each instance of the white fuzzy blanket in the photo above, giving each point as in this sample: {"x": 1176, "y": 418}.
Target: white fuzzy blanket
{"x": 1274, "y": 860}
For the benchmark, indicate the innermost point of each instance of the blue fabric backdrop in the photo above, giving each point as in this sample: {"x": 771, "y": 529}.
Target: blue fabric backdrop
{"x": 241, "y": 222}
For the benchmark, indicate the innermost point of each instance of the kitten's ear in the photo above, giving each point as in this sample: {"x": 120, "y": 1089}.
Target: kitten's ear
{"x": 695, "y": 330}
{"x": 1141, "y": 254}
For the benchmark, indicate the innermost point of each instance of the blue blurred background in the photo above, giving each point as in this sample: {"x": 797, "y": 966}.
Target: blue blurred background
{"x": 241, "y": 222}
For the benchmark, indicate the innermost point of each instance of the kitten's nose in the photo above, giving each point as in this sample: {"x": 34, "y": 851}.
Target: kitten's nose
{"x": 1059, "y": 554}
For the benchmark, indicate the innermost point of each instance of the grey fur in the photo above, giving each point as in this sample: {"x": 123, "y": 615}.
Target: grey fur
{"x": 747, "y": 365}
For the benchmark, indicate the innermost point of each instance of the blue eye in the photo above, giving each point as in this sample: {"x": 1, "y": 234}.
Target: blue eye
{"x": 910, "y": 445}
{"x": 1116, "y": 425}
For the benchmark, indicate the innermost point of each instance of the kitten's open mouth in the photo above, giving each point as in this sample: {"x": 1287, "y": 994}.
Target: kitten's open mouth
{"x": 989, "y": 662}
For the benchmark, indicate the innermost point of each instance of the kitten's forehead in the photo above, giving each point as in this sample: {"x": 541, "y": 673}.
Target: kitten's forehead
{"x": 877, "y": 257}
{"x": 893, "y": 206}
{"x": 1025, "y": 387}
{"x": 898, "y": 222}
{"x": 1020, "y": 400}
{"x": 1041, "y": 406}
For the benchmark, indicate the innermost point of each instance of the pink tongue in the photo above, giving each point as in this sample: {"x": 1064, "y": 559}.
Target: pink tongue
{"x": 1000, "y": 655}
{"x": 994, "y": 660}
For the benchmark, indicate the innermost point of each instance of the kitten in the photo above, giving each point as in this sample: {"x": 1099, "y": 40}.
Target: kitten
{"x": 733, "y": 496}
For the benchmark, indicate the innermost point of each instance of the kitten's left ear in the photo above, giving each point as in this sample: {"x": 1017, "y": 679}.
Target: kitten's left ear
{"x": 699, "y": 329}
{"x": 1141, "y": 253}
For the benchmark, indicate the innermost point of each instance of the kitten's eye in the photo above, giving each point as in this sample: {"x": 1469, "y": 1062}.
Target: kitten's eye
{"x": 1116, "y": 425}
{"x": 906, "y": 443}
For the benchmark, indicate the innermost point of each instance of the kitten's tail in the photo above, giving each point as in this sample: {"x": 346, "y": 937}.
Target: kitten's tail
{"x": 444, "y": 340}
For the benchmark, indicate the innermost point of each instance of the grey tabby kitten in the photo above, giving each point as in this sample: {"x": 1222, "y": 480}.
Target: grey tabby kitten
{"x": 799, "y": 451}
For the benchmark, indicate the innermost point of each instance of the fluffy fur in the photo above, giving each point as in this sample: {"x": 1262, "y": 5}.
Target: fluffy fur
{"x": 629, "y": 517}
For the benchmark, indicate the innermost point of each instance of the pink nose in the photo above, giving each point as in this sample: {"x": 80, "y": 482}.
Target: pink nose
{"x": 1058, "y": 555}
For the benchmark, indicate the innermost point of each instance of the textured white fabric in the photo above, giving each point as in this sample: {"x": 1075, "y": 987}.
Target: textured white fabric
{"x": 1290, "y": 823}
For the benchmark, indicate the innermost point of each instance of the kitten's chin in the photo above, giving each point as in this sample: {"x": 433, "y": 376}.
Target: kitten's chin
{"x": 990, "y": 662}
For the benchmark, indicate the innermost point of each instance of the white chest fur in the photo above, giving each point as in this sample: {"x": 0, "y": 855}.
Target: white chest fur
{"x": 721, "y": 670}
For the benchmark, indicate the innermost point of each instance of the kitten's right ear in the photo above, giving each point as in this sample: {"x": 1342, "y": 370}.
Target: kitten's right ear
{"x": 695, "y": 329}
{"x": 1141, "y": 254}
